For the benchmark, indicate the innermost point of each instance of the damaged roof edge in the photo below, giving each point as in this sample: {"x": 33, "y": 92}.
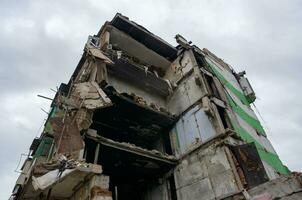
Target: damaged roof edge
{"x": 143, "y": 36}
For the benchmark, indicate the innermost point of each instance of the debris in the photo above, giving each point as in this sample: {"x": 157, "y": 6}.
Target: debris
{"x": 49, "y": 179}
{"x": 99, "y": 54}
{"x": 90, "y": 95}
{"x": 157, "y": 122}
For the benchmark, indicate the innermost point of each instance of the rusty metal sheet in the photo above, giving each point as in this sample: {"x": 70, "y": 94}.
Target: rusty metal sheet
{"x": 250, "y": 162}
{"x": 66, "y": 135}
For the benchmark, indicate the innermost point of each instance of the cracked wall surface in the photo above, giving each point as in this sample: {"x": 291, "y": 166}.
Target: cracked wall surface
{"x": 142, "y": 119}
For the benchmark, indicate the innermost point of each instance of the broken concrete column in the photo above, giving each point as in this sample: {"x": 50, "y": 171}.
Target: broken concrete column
{"x": 165, "y": 122}
{"x": 95, "y": 188}
{"x": 99, "y": 185}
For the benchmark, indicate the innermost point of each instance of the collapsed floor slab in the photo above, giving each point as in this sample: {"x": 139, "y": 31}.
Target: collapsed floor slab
{"x": 164, "y": 122}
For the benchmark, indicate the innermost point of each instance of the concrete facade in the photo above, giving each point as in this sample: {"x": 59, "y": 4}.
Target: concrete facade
{"x": 142, "y": 119}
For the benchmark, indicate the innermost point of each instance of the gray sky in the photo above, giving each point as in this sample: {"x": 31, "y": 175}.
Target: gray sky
{"x": 42, "y": 41}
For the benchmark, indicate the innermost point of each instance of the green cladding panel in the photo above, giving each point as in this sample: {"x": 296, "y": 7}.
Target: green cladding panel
{"x": 44, "y": 147}
{"x": 270, "y": 158}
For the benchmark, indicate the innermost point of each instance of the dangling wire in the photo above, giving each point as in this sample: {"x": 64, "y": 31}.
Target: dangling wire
{"x": 262, "y": 119}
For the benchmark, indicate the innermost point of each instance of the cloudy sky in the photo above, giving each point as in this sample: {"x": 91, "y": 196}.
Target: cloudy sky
{"x": 42, "y": 41}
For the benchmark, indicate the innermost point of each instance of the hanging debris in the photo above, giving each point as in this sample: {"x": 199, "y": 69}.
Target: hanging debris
{"x": 142, "y": 119}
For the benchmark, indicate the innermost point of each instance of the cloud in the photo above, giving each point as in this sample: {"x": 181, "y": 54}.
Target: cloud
{"x": 42, "y": 41}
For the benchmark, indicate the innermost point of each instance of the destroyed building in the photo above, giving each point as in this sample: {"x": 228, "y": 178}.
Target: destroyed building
{"x": 142, "y": 119}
